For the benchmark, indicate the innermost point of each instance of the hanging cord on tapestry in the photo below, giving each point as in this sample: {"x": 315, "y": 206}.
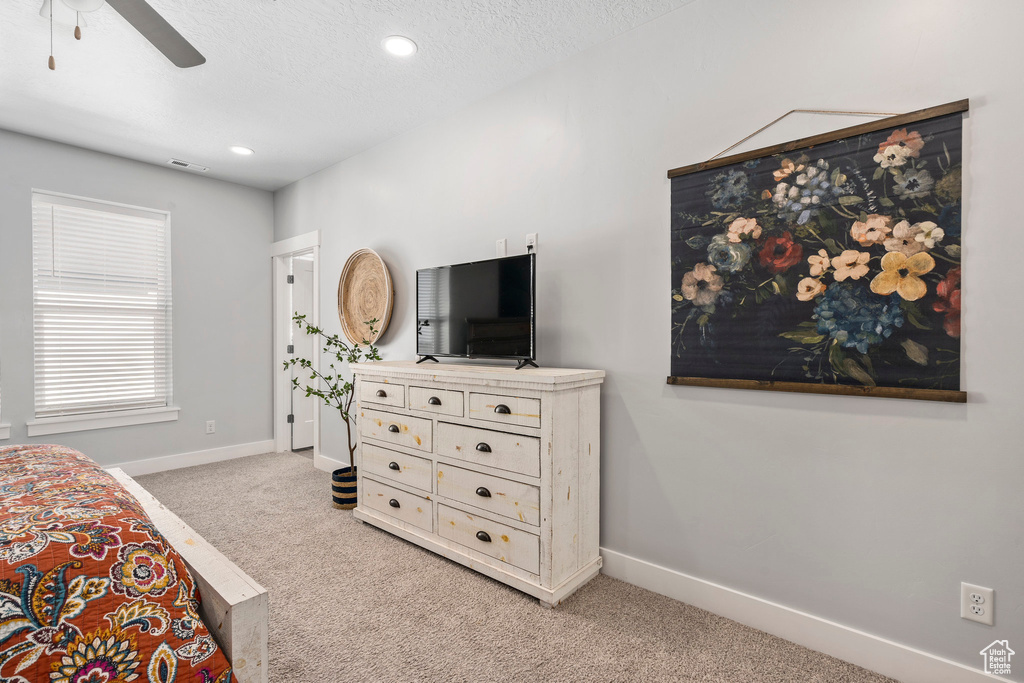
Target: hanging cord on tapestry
{"x": 802, "y": 111}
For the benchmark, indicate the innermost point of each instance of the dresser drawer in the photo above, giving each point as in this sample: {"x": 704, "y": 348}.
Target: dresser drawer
{"x": 405, "y": 469}
{"x": 511, "y": 452}
{"x": 499, "y": 541}
{"x": 500, "y": 496}
{"x": 387, "y": 500}
{"x": 441, "y": 401}
{"x": 382, "y": 393}
{"x": 511, "y": 410}
{"x": 414, "y": 432}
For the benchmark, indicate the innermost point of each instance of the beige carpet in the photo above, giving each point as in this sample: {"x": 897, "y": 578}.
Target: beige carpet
{"x": 349, "y": 602}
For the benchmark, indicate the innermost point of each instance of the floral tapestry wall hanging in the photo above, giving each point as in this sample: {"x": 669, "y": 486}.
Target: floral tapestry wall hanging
{"x": 827, "y": 265}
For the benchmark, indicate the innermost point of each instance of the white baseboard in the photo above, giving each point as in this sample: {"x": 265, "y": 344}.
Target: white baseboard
{"x": 863, "y": 649}
{"x": 173, "y": 462}
{"x": 322, "y": 462}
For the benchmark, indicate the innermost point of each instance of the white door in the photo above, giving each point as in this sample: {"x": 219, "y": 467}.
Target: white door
{"x": 305, "y": 347}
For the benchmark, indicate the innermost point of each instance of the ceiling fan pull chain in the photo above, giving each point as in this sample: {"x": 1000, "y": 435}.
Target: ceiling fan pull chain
{"x": 78, "y": 29}
{"x": 52, "y": 63}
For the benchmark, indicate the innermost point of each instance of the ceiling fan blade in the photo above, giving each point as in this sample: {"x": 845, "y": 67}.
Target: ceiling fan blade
{"x": 156, "y": 30}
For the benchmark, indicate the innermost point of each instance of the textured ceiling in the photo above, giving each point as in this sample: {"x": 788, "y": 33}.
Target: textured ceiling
{"x": 303, "y": 82}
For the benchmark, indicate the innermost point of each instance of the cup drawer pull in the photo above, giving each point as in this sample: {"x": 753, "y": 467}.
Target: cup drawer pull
{"x": 483, "y": 493}
{"x": 483, "y": 448}
{"x": 434, "y": 401}
{"x": 502, "y": 409}
{"x": 394, "y": 503}
{"x": 381, "y": 393}
{"x": 394, "y": 466}
{"x": 483, "y": 536}
{"x": 393, "y": 429}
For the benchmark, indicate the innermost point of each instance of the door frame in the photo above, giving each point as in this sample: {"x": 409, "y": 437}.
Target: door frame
{"x": 280, "y": 253}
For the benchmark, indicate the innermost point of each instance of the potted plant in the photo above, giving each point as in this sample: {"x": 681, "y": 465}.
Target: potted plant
{"x": 336, "y": 392}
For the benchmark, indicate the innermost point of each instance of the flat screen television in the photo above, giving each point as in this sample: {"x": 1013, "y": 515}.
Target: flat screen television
{"x": 483, "y": 309}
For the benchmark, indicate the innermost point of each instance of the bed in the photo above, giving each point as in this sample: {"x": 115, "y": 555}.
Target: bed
{"x": 99, "y": 582}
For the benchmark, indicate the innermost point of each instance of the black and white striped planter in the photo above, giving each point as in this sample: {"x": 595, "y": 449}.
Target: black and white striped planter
{"x": 343, "y": 488}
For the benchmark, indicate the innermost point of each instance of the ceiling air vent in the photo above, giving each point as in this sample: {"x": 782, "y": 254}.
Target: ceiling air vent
{"x": 190, "y": 166}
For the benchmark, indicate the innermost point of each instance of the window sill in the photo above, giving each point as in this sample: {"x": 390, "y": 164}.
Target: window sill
{"x": 5, "y": 431}
{"x": 80, "y": 423}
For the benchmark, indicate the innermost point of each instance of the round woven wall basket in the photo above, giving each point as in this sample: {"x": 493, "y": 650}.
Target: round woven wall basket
{"x": 365, "y": 292}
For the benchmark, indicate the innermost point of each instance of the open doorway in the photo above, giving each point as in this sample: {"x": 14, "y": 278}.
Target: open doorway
{"x": 296, "y": 274}
{"x": 301, "y": 345}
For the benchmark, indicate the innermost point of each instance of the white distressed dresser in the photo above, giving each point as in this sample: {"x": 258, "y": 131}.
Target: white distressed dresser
{"x": 493, "y": 467}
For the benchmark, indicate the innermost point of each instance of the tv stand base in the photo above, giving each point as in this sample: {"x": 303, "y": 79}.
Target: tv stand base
{"x": 524, "y": 362}
{"x": 426, "y": 358}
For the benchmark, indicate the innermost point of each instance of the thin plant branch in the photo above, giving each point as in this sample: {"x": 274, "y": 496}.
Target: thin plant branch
{"x": 333, "y": 389}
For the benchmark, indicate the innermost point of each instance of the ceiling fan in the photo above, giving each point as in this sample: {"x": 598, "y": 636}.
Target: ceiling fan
{"x": 142, "y": 17}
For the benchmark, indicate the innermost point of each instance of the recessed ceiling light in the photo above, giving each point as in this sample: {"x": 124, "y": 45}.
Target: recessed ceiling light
{"x": 399, "y": 46}
{"x": 243, "y": 151}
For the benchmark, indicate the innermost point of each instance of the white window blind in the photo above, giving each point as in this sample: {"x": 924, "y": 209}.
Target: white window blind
{"x": 102, "y": 306}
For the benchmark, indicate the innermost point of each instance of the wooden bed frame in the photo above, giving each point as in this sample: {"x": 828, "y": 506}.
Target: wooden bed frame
{"x": 234, "y": 607}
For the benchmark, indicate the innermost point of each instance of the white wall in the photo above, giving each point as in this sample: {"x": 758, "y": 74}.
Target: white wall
{"x": 220, "y": 272}
{"x": 868, "y": 512}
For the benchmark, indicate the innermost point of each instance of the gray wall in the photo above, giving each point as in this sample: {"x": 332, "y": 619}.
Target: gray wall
{"x": 220, "y": 271}
{"x": 868, "y": 512}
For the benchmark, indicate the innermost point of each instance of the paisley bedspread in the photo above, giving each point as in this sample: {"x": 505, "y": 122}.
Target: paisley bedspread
{"x": 90, "y": 591}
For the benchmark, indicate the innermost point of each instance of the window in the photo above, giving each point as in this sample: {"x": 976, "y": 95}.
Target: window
{"x": 102, "y": 314}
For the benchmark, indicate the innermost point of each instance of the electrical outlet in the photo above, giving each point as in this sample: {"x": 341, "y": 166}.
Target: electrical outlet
{"x": 211, "y": 427}
{"x": 531, "y": 242}
{"x": 501, "y": 247}
{"x": 977, "y": 603}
